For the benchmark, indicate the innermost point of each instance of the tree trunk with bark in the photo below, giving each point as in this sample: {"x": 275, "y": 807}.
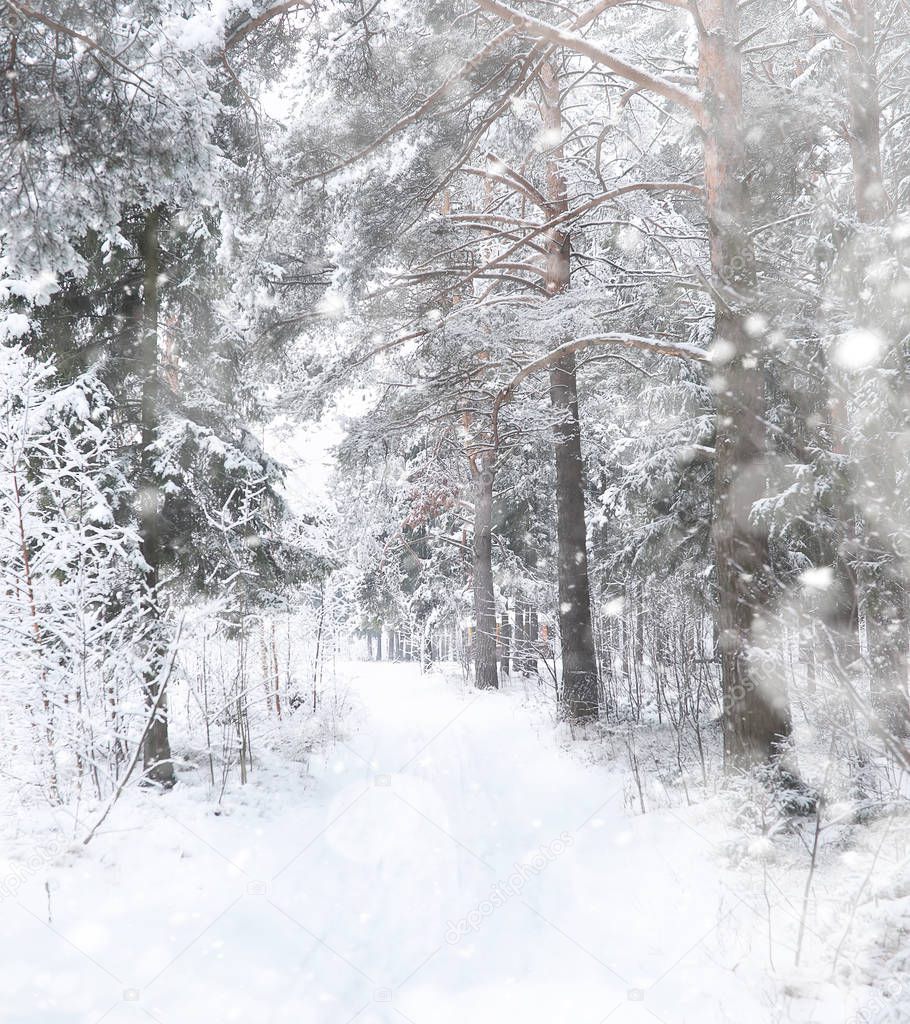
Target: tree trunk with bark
{"x": 884, "y": 589}
{"x": 579, "y": 658}
{"x": 156, "y": 753}
{"x": 486, "y": 674}
{"x": 580, "y": 684}
{"x": 756, "y": 715}
{"x": 864, "y": 134}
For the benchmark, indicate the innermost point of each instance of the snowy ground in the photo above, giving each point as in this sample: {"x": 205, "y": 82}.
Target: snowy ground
{"x": 447, "y": 862}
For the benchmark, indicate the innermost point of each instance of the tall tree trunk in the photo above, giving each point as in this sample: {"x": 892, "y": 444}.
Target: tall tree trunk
{"x": 486, "y": 674}
{"x": 156, "y": 753}
{"x": 865, "y": 114}
{"x": 579, "y": 657}
{"x": 883, "y": 589}
{"x": 756, "y": 718}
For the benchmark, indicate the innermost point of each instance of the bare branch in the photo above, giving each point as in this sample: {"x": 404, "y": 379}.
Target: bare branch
{"x": 676, "y": 350}
{"x": 92, "y": 44}
{"x": 516, "y": 184}
{"x": 248, "y": 25}
{"x": 552, "y": 34}
{"x": 415, "y": 115}
{"x": 572, "y": 214}
{"x": 834, "y": 25}
{"x": 446, "y": 87}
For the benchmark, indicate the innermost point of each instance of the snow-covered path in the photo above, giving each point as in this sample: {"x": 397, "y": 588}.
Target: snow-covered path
{"x": 449, "y": 863}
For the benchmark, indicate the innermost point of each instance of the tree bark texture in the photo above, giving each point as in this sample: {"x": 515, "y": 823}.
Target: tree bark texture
{"x": 486, "y": 673}
{"x": 156, "y": 752}
{"x": 756, "y": 716}
{"x": 580, "y": 683}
